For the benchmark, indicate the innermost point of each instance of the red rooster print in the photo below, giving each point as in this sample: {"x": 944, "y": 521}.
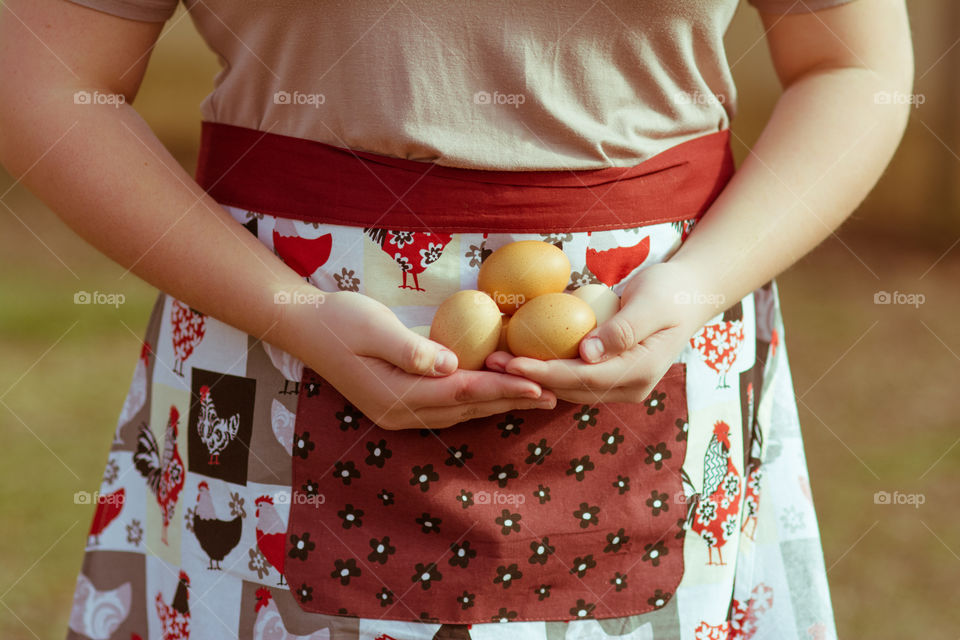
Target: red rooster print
{"x": 187, "y": 329}
{"x": 269, "y": 624}
{"x": 165, "y": 474}
{"x": 719, "y": 344}
{"x": 303, "y": 255}
{"x": 684, "y": 227}
{"x": 271, "y": 534}
{"x": 612, "y": 265}
{"x": 715, "y": 510}
{"x": 414, "y": 251}
{"x": 108, "y": 508}
{"x": 742, "y": 619}
{"x": 751, "y": 502}
{"x": 217, "y": 537}
{"x": 175, "y": 617}
{"x": 215, "y": 432}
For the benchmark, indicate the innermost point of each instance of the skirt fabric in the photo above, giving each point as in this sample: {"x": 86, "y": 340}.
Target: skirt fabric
{"x": 244, "y": 497}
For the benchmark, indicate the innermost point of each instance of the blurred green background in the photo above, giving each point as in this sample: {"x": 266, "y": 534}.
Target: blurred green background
{"x": 877, "y": 384}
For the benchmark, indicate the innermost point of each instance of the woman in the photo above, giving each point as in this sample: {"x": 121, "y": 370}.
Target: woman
{"x": 293, "y": 459}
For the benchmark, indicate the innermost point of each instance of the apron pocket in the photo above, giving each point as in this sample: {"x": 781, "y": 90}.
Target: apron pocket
{"x": 528, "y": 515}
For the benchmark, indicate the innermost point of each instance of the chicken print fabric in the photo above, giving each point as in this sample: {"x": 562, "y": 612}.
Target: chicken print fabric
{"x": 243, "y": 497}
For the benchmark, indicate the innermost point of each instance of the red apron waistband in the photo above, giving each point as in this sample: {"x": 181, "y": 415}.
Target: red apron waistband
{"x": 317, "y": 182}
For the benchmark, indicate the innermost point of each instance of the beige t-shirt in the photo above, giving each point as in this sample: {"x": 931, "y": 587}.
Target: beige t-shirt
{"x": 485, "y": 84}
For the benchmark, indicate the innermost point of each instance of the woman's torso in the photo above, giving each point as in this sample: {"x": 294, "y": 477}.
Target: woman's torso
{"x": 480, "y": 84}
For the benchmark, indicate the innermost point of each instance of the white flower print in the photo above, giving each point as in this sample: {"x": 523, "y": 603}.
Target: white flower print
{"x": 400, "y": 238}
{"x": 431, "y": 254}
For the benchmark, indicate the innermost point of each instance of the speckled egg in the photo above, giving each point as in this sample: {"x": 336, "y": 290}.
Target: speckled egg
{"x": 550, "y": 326}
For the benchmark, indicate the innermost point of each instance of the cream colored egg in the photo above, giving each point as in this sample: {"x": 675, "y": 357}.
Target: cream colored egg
{"x": 601, "y": 298}
{"x": 550, "y": 326}
{"x": 468, "y": 323}
{"x": 518, "y": 272}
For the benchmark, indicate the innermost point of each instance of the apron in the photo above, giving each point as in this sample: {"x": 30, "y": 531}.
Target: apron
{"x": 245, "y": 497}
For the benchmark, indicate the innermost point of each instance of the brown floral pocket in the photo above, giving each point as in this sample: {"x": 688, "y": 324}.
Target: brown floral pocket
{"x": 529, "y": 515}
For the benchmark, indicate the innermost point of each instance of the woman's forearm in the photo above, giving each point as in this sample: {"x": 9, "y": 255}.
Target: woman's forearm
{"x": 826, "y": 144}
{"x": 102, "y": 170}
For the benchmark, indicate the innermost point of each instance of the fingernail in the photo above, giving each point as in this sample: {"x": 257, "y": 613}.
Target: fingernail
{"x": 532, "y": 393}
{"x": 546, "y": 403}
{"x": 593, "y": 348}
{"x": 445, "y": 362}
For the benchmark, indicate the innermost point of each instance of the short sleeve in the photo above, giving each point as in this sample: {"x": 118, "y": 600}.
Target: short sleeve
{"x": 143, "y": 10}
{"x": 794, "y": 6}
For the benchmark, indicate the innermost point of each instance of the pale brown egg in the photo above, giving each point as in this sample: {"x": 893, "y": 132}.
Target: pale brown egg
{"x": 502, "y": 345}
{"x": 601, "y": 298}
{"x": 468, "y": 323}
{"x": 550, "y": 326}
{"x": 518, "y": 272}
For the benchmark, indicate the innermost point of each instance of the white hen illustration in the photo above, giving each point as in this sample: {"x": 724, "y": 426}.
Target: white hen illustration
{"x": 97, "y": 614}
{"x": 290, "y": 367}
{"x": 269, "y": 625}
{"x": 137, "y": 395}
{"x": 282, "y": 420}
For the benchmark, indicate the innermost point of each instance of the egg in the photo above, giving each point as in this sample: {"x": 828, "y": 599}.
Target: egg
{"x": 502, "y": 345}
{"x": 550, "y": 326}
{"x": 468, "y": 323}
{"x": 518, "y": 272}
{"x": 601, "y": 298}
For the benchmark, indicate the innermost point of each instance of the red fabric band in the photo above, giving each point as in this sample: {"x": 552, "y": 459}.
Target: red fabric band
{"x": 317, "y": 182}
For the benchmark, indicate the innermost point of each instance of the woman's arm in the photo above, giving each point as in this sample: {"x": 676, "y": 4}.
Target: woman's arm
{"x": 830, "y": 137}
{"x": 846, "y": 73}
{"x": 102, "y": 170}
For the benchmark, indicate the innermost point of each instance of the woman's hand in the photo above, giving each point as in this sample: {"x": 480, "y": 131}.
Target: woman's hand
{"x": 626, "y": 356}
{"x": 395, "y": 377}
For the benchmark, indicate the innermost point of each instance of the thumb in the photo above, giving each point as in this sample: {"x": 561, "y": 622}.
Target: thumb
{"x": 627, "y": 328}
{"x": 410, "y": 351}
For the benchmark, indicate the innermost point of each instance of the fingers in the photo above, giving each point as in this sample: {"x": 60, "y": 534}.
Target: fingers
{"x": 467, "y": 387}
{"x": 591, "y": 397}
{"x": 575, "y": 373}
{"x": 393, "y": 342}
{"x": 625, "y": 330}
{"x": 442, "y": 417}
{"x": 497, "y": 361}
